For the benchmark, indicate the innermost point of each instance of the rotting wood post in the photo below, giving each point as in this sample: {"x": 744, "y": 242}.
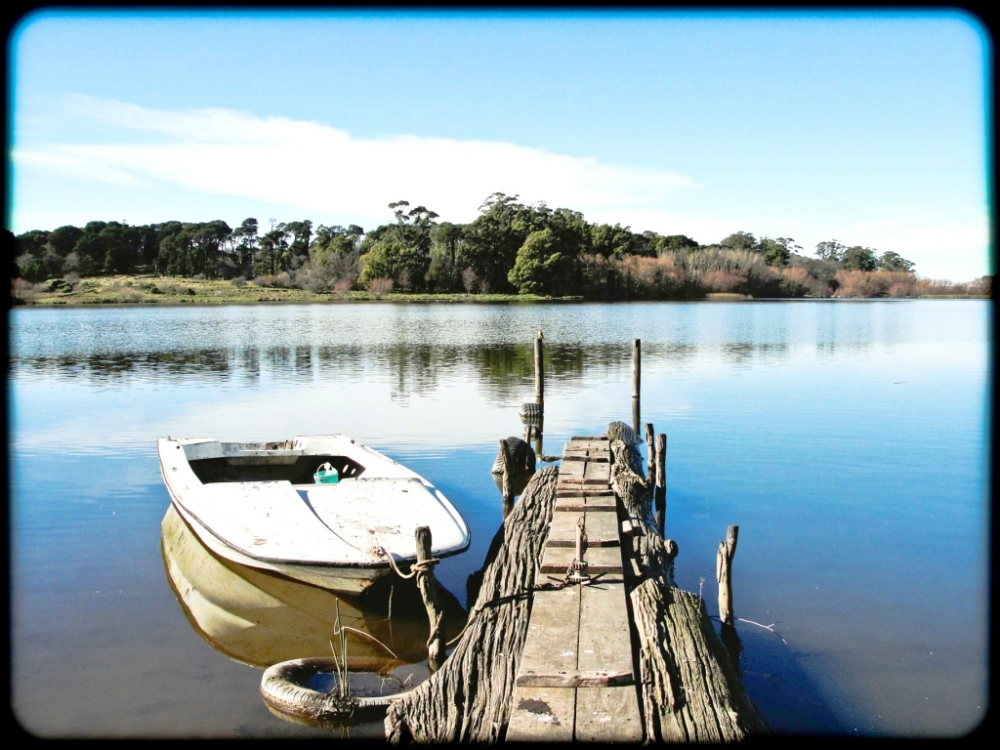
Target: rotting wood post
{"x": 723, "y": 570}
{"x": 660, "y": 493}
{"x": 651, "y": 463}
{"x": 636, "y": 367}
{"x": 636, "y": 376}
{"x": 427, "y": 585}
{"x": 539, "y": 374}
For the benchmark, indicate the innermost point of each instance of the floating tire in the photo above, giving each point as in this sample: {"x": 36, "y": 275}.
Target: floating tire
{"x": 530, "y": 414}
{"x": 284, "y": 691}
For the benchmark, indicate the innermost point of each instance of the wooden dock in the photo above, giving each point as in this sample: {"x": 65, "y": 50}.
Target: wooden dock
{"x": 625, "y": 657}
{"x": 576, "y": 679}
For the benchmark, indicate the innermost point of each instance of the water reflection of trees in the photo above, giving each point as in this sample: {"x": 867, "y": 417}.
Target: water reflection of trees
{"x": 503, "y": 371}
{"x": 745, "y": 354}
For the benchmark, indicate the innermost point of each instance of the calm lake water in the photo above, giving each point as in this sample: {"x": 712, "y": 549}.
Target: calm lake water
{"x": 850, "y": 441}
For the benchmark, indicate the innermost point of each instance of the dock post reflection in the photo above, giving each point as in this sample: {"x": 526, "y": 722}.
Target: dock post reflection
{"x": 513, "y": 467}
{"x": 734, "y": 646}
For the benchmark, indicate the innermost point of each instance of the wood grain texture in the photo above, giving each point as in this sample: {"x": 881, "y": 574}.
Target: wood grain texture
{"x": 608, "y": 714}
{"x": 469, "y": 698}
{"x": 542, "y": 714}
{"x": 690, "y": 691}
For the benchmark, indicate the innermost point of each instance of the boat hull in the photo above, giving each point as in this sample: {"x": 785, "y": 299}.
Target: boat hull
{"x": 354, "y": 580}
{"x": 255, "y": 504}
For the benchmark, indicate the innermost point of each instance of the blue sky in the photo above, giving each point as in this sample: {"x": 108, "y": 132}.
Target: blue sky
{"x": 870, "y": 128}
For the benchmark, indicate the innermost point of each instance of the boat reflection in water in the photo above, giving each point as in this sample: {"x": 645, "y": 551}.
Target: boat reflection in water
{"x": 262, "y": 618}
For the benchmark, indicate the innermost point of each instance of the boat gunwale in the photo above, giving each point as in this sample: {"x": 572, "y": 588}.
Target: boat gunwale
{"x": 319, "y": 566}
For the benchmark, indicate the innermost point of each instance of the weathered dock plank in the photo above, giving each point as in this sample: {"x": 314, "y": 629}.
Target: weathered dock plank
{"x": 600, "y": 683}
{"x": 609, "y": 714}
{"x": 542, "y": 715}
{"x": 575, "y": 501}
{"x": 551, "y": 642}
{"x": 556, "y": 560}
{"x": 601, "y": 529}
{"x": 605, "y": 643}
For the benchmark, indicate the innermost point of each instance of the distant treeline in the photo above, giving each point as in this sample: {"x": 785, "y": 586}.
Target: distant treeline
{"x": 509, "y": 248}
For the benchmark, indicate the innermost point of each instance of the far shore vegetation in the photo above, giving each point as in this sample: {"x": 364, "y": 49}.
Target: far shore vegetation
{"x": 511, "y": 251}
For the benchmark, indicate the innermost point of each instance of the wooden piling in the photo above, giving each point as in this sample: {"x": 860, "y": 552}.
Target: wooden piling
{"x": 428, "y": 587}
{"x": 660, "y": 493}
{"x": 636, "y": 376}
{"x": 539, "y": 372}
{"x": 651, "y": 456}
{"x": 636, "y": 369}
{"x": 723, "y": 570}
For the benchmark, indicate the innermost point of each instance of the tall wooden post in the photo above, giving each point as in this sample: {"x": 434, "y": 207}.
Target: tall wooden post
{"x": 539, "y": 373}
{"x": 636, "y": 375}
{"x": 723, "y": 572}
{"x": 660, "y": 492}
{"x": 428, "y": 590}
{"x": 650, "y": 455}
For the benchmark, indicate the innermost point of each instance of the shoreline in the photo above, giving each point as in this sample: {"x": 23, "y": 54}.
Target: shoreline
{"x": 180, "y": 291}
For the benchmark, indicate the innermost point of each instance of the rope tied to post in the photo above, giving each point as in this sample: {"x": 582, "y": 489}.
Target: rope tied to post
{"x": 419, "y": 566}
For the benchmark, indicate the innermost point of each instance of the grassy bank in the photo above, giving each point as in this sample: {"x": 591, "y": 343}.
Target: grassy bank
{"x": 176, "y": 290}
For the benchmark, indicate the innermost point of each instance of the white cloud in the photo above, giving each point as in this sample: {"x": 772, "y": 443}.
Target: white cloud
{"x": 327, "y": 173}
{"x": 313, "y": 166}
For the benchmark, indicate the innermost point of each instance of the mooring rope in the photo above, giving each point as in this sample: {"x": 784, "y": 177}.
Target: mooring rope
{"x": 420, "y": 566}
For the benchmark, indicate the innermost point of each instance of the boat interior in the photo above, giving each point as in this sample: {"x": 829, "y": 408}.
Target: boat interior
{"x": 296, "y": 468}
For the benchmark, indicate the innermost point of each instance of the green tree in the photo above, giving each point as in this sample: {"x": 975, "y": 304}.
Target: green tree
{"x": 777, "y": 251}
{"x": 544, "y": 265}
{"x": 444, "y": 271}
{"x": 32, "y": 243}
{"x": 63, "y": 239}
{"x": 741, "y": 241}
{"x": 273, "y": 250}
{"x": 890, "y": 261}
{"x": 209, "y": 246}
{"x": 401, "y": 251}
{"x": 617, "y": 241}
{"x": 168, "y": 247}
{"x": 830, "y": 250}
{"x": 493, "y": 238}
{"x": 121, "y": 251}
{"x": 89, "y": 249}
{"x": 859, "y": 258}
{"x": 247, "y": 241}
{"x": 298, "y": 247}
{"x": 175, "y": 255}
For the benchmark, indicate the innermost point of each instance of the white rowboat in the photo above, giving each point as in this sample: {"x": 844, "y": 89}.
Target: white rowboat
{"x": 257, "y": 504}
